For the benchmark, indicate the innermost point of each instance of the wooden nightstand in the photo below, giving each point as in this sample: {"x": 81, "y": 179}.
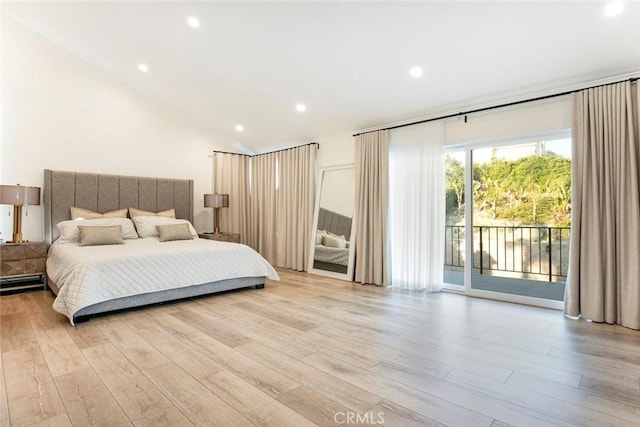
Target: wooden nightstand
{"x": 222, "y": 237}
{"x": 22, "y": 266}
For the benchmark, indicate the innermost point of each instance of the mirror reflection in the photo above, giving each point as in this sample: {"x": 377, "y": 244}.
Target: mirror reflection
{"x": 333, "y": 236}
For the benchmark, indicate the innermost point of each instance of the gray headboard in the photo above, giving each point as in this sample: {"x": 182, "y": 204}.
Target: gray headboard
{"x": 103, "y": 193}
{"x": 334, "y": 222}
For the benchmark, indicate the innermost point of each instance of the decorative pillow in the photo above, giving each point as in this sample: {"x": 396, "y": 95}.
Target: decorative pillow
{"x": 94, "y": 235}
{"x": 69, "y": 229}
{"x": 338, "y": 236}
{"x": 319, "y": 237}
{"x": 334, "y": 242}
{"x": 80, "y": 213}
{"x": 169, "y": 213}
{"x": 170, "y": 232}
{"x": 146, "y": 225}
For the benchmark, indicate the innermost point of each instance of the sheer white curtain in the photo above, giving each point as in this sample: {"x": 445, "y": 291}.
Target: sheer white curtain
{"x": 417, "y": 206}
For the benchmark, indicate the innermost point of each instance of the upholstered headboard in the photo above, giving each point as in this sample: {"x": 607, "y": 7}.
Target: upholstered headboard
{"x": 334, "y": 222}
{"x": 103, "y": 193}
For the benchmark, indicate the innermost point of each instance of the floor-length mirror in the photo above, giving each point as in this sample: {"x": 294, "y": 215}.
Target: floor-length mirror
{"x": 332, "y": 251}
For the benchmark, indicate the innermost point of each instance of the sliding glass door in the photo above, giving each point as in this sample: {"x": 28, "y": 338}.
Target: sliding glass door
{"x": 512, "y": 221}
{"x": 454, "y": 254}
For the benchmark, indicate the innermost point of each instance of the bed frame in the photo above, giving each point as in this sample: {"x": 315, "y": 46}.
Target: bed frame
{"x": 102, "y": 193}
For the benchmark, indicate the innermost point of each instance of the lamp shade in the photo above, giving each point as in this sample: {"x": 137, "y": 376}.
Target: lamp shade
{"x": 19, "y": 195}
{"x": 216, "y": 200}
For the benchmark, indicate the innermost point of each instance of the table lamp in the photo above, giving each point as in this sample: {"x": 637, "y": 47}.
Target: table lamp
{"x": 18, "y": 196}
{"x": 216, "y": 201}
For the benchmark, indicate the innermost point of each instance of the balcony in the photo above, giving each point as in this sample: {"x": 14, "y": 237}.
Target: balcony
{"x": 532, "y": 253}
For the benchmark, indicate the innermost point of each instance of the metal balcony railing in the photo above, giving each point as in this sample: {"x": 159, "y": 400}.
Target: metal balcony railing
{"x": 540, "y": 253}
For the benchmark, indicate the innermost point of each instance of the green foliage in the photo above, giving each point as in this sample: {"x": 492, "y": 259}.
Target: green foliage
{"x": 533, "y": 190}
{"x": 454, "y": 185}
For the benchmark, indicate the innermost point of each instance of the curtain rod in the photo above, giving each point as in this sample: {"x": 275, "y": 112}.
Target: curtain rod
{"x": 228, "y": 152}
{"x": 508, "y": 104}
{"x": 269, "y": 152}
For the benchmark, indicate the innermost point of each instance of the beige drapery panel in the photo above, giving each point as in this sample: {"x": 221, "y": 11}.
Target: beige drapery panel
{"x": 231, "y": 176}
{"x": 603, "y": 282}
{"x": 282, "y": 196}
{"x": 262, "y": 216}
{"x": 372, "y": 182}
{"x": 295, "y": 199}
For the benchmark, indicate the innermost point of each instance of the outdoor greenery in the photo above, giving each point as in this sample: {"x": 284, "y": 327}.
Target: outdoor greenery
{"x": 533, "y": 190}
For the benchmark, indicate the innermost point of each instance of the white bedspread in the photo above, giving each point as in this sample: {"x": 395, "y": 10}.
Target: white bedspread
{"x": 338, "y": 256}
{"x": 91, "y": 274}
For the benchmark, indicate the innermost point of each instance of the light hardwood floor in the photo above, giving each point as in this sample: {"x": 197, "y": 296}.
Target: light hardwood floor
{"x": 314, "y": 351}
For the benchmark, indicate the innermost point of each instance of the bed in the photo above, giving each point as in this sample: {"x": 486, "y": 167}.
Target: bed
{"x": 332, "y": 241}
{"x": 89, "y": 280}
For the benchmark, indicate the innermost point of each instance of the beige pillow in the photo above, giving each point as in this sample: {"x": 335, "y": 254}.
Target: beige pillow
{"x": 170, "y": 232}
{"x": 70, "y": 232}
{"x": 146, "y": 225}
{"x": 334, "y": 242}
{"x": 100, "y": 235}
{"x": 338, "y": 236}
{"x": 80, "y": 213}
{"x": 169, "y": 213}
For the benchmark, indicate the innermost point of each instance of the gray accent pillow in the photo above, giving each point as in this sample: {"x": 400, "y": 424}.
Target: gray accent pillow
{"x": 170, "y": 232}
{"x": 94, "y": 235}
{"x": 69, "y": 230}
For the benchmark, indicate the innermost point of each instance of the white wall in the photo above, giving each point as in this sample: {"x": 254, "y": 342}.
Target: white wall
{"x": 553, "y": 114}
{"x": 334, "y": 151}
{"x": 521, "y": 120}
{"x": 59, "y": 112}
{"x": 338, "y": 187}
{"x": 338, "y": 191}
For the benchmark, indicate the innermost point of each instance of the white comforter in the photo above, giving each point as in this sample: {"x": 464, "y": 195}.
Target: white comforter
{"x": 331, "y": 255}
{"x": 91, "y": 274}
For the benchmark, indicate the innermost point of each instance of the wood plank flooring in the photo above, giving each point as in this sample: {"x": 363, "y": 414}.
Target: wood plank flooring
{"x": 308, "y": 350}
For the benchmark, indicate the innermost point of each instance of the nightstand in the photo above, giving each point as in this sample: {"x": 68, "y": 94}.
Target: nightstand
{"x": 221, "y": 237}
{"x": 22, "y": 266}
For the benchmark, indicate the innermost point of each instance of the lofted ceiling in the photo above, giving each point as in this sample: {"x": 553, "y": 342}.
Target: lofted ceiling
{"x": 250, "y": 63}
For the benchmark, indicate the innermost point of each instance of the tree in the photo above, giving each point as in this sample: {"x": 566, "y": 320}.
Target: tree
{"x": 530, "y": 190}
{"x": 455, "y": 181}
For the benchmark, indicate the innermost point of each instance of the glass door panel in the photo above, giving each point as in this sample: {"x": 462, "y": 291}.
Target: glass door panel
{"x": 521, "y": 218}
{"x": 454, "y": 256}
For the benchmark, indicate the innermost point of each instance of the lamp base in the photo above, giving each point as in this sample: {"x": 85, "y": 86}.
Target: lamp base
{"x": 17, "y": 225}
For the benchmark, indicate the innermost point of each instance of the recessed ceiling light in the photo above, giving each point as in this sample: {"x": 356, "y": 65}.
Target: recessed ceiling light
{"x": 415, "y": 71}
{"x": 193, "y": 22}
{"x": 143, "y": 67}
{"x": 614, "y": 8}
{"x": 301, "y": 108}
{"x": 240, "y": 128}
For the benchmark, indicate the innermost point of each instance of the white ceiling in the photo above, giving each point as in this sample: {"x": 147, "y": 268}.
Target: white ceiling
{"x": 251, "y": 62}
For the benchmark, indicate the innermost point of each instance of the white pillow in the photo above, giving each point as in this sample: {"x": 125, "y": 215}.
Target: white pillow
{"x": 69, "y": 231}
{"x": 146, "y": 225}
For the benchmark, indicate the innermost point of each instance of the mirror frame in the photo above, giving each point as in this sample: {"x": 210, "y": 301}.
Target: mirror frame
{"x": 348, "y": 276}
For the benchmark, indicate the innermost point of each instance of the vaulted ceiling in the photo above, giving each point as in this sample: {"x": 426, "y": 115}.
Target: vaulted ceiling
{"x": 251, "y": 63}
